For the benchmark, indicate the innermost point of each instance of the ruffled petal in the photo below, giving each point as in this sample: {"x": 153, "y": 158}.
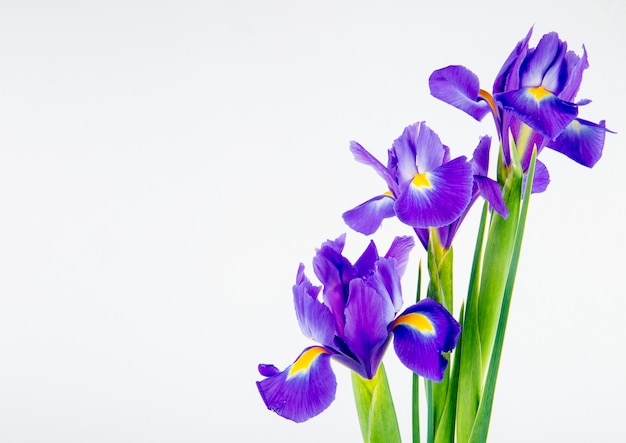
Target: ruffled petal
{"x": 539, "y": 108}
{"x": 438, "y": 197}
{"x": 459, "y": 87}
{"x": 367, "y": 315}
{"x": 368, "y": 216}
{"x": 334, "y": 271}
{"x": 421, "y": 334}
{"x": 490, "y": 191}
{"x": 399, "y": 250}
{"x": 315, "y": 319}
{"x": 303, "y": 390}
{"x": 386, "y": 282}
{"x": 575, "y": 67}
{"x": 582, "y": 141}
{"x": 508, "y": 77}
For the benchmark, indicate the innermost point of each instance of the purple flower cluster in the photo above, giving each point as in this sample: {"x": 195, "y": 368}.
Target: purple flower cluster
{"x": 357, "y": 309}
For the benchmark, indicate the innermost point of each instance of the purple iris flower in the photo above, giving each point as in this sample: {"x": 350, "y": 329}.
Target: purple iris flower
{"x": 483, "y": 186}
{"x": 533, "y": 99}
{"x": 353, "y": 325}
{"x": 425, "y": 188}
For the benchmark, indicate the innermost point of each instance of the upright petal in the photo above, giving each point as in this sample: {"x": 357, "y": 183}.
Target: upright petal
{"x": 367, "y": 315}
{"x": 303, "y": 390}
{"x": 438, "y": 197}
{"x": 508, "y": 77}
{"x": 315, "y": 319}
{"x": 368, "y": 216}
{"x": 421, "y": 334}
{"x": 459, "y": 87}
{"x": 540, "y": 60}
{"x": 400, "y": 249}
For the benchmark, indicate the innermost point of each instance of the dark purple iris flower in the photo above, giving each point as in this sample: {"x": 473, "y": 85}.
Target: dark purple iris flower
{"x": 354, "y": 325}
{"x": 533, "y": 99}
{"x": 425, "y": 188}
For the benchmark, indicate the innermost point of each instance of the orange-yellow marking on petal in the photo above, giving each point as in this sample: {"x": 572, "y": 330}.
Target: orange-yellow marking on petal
{"x": 539, "y": 92}
{"x": 306, "y": 359}
{"x": 489, "y": 99}
{"x": 421, "y": 180}
{"x": 575, "y": 125}
{"x": 388, "y": 193}
{"x": 418, "y": 321}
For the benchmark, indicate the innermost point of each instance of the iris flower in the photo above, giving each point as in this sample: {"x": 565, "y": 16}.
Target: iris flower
{"x": 483, "y": 186}
{"x": 425, "y": 188}
{"x": 353, "y": 325}
{"x": 533, "y": 99}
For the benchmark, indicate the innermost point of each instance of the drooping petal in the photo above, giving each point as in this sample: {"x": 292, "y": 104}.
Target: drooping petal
{"x": 399, "y": 250}
{"x": 367, "y": 315}
{"x": 480, "y": 158}
{"x": 541, "y": 179}
{"x": 421, "y": 334}
{"x": 582, "y": 141}
{"x": 368, "y": 216}
{"x": 539, "y": 108}
{"x": 459, "y": 87}
{"x": 438, "y": 197}
{"x": 315, "y": 319}
{"x": 490, "y": 191}
{"x": 362, "y": 156}
{"x": 303, "y": 390}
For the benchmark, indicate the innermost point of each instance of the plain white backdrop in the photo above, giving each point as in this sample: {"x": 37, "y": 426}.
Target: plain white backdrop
{"x": 165, "y": 166}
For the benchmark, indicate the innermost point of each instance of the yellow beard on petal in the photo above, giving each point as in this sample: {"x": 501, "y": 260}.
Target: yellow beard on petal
{"x": 539, "y": 92}
{"x": 306, "y": 359}
{"x": 421, "y": 181}
{"x": 418, "y": 321}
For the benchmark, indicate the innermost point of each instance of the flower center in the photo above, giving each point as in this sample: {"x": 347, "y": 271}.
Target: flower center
{"x": 421, "y": 180}
{"x": 539, "y": 92}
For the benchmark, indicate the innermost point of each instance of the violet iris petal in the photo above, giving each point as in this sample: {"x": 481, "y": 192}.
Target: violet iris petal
{"x": 315, "y": 319}
{"x": 367, "y": 313}
{"x": 303, "y": 390}
{"x": 438, "y": 198}
{"x": 582, "y": 141}
{"x": 421, "y": 334}
{"x": 368, "y": 216}
{"x": 459, "y": 87}
{"x": 426, "y": 188}
{"x": 539, "y": 109}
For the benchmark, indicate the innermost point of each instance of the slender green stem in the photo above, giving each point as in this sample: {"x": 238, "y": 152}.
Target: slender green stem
{"x": 481, "y": 426}
{"x": 416, "y": 386}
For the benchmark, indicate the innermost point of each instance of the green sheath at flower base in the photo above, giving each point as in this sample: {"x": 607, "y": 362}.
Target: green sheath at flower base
{"x": 374, "y": 404}
{"x": 497, "y": 257}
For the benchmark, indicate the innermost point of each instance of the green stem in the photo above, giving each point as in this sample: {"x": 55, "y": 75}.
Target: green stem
{"x": 481, "y": 426}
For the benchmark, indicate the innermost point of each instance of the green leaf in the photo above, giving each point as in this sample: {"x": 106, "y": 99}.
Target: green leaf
{"x": 416, "y": 387}
{"x": 467, "y": 353}
{"x": 481, "y": 426}
{"x": 374, "y": 404}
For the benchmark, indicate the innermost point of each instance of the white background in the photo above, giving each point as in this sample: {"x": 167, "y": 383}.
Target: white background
{"x": 165, "y": 166}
